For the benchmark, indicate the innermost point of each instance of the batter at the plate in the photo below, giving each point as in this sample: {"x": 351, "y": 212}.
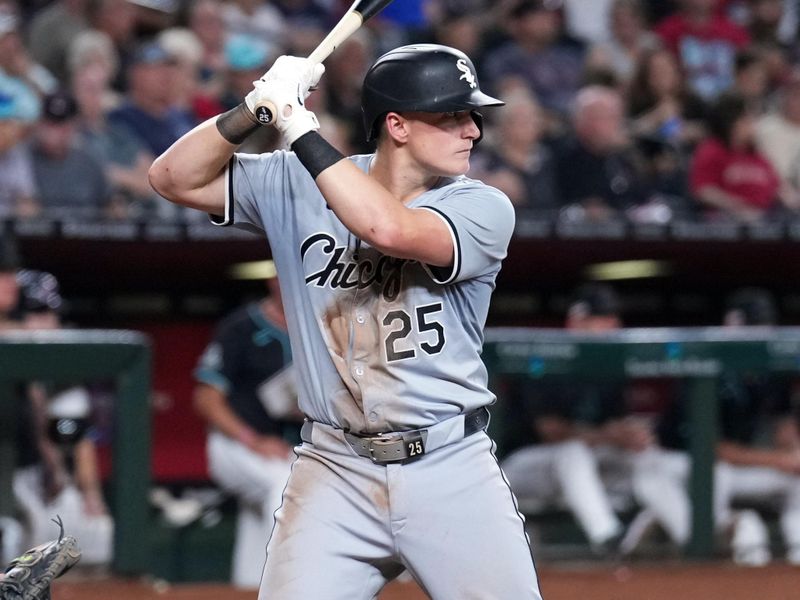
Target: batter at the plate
{"x": 387, "y": 263}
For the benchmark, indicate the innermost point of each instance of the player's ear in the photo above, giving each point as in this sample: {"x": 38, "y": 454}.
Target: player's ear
{"x": 396, "y": 127}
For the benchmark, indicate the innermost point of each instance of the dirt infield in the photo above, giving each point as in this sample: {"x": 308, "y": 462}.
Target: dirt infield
{"x": 718, "y": 581}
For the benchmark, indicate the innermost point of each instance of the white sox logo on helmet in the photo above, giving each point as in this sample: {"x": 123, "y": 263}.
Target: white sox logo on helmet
{"x": 468, "y": 75}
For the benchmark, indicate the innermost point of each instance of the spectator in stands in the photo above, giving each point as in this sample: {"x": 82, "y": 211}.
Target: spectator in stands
{"x": 728, "y": 175}
{"x": 661, "y": 106}
{"x": 52, "y": 30}
{"x": 515, "y": 160}
{"x": 57, "y": 469}
{"x": 117, "y": 20}
{"x": 773, "y": 29}
{"x": 778, "y": 133}
{"x": 70, "y": 182}
{"x": 535, "y": 57}
{"x": 123, "y": 156}
{"x": 19, "y": 106}
{"x": 583, "y": 438}
{"x": 629, "y": 39}
{"x": 150, "y": 111}
{"x": 208, "y": 24}
{"x": 257, "y": 18}
{"x": 189, "y": 97}
{"x": 461, "y": 25}
{"x": 596, "y": 169}
{"x": 245, "y": 393}
{"x": 246, "y": 58}
{"x": 667, "y": 121}
{"x": 770, "y": 22}
{"x": 587, "y": 21}
{"x": 153, "y": 16}
{"x": 92, "y": 54}
{"x": 193, "y": 93}
{"x": 15, "y": 60}
{"x": 751, "y": 80}
{"x": 705, "y": 43}
{"x": 758, "y": 453}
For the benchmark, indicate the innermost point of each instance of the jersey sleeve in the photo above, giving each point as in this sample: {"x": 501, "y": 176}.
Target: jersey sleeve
{"x": 254, "y": 185}
{"x": 481, "y": 220}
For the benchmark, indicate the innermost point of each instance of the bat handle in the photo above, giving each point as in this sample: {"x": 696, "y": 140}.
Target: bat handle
{"x": 265, "y": 112}
{"x": 350, "y": 22}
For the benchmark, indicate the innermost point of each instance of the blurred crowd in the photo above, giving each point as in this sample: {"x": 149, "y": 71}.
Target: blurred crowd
{"x": 648, "y": 110}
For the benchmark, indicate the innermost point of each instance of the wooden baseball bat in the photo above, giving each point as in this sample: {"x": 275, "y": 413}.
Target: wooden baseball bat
{"x": 355, "y": 17}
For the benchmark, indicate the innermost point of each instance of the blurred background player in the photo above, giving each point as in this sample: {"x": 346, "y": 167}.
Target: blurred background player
{"x": 245, "y": 393}
{"x": 57, "y": 470}
{"x": 9, "y": 287}
{"x": 758, "y": 453}
{"x": 10, "y": 528}
{"x": 582, "y": 437}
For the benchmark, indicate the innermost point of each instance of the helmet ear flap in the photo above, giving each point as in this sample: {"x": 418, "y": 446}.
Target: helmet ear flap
{"x": 478, "y": 118}
{"x": 373, "y": 133}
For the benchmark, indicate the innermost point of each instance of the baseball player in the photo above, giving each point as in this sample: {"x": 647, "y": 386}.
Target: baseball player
{"x": 758, "y": 454}
{"x": 580, "y": 453}
{"x": 387, "y": 263}
{"x": 238, "y": 385}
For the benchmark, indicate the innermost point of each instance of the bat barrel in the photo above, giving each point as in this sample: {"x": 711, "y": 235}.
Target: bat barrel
{"x": 348, "y": 24}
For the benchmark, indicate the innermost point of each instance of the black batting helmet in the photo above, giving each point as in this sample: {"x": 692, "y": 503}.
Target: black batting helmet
{"x": 421, "y": 78}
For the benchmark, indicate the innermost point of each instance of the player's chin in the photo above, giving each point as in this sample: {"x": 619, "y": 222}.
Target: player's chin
{"x": 458, "y": 165}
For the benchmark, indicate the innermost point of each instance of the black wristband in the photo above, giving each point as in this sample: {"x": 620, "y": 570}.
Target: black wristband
{"x": 237, "y": 124}
{"x": 315, "y": 153}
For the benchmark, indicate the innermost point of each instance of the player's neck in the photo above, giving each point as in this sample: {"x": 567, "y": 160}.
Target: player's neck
{"x": 404, "y": 180}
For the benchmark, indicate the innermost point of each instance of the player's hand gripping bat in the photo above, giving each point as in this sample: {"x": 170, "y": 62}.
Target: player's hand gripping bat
{"x": 355, "y": 17}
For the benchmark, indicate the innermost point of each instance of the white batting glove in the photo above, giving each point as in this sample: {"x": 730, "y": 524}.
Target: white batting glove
{"x": 286, "y": 86}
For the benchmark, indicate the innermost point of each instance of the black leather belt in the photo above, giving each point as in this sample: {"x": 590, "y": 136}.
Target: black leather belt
{"x": 402, "y": 446}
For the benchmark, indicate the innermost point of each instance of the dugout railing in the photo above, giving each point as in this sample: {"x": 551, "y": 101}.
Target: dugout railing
{"x": 696, "y": 355}
{"x": 68, "y": 356}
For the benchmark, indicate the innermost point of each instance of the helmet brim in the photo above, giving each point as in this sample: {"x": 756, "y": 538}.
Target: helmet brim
{"x": 478, "y": 99}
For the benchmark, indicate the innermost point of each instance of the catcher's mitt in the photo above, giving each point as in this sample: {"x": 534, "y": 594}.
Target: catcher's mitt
{"x": 29, "y": 576}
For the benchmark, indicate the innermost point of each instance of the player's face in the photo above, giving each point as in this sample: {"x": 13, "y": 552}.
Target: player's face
{"x": 442, "y": 142}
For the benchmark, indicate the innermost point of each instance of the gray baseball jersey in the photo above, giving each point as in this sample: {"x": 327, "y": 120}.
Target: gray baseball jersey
{"x": 385, "y": 344}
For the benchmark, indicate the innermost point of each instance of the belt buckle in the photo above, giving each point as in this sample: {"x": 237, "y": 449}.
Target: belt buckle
{"x": 384, "y": 444}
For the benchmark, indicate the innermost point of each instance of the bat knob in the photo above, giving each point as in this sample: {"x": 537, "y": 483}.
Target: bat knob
{"x": 264, "y": 115}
